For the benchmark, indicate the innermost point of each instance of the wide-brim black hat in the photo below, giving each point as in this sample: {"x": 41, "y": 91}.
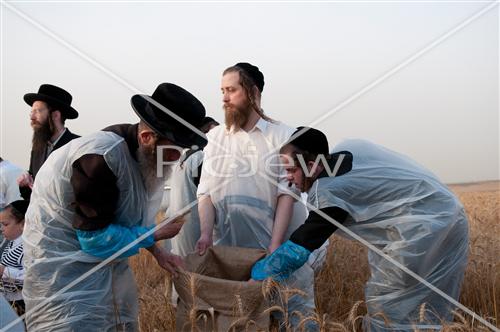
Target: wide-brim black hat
{"x": 56, "y": 97}
{"x": 173, "y": 113}
{"x": 209, "y": 119}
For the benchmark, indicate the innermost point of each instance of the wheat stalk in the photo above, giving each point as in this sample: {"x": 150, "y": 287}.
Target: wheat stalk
{"x": 340, "y": 284}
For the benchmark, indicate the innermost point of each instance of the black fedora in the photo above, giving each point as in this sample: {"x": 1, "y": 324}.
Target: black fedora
{"x": 172, "y": 112}
{"x": 56, "y": 97}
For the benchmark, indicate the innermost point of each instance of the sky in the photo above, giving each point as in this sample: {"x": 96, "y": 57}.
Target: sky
{"x": 419, "y": 77}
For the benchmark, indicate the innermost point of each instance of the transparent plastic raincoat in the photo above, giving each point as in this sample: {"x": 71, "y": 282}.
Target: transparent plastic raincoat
{"x": 243, "y": 176}
{"x": 105, "y": 299}
{"x": 248, "y": 167}
{"x": 183, "y": 193}
{"x": 403, "y": 210}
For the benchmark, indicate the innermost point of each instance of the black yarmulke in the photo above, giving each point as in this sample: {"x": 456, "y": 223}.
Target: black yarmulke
{"x": 254, "y": 73}
{"x": 20, "y": 206}
{"x": 310, "y": 140}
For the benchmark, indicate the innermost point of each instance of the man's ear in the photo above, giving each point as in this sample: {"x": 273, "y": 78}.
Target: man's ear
{"x": 315, "y": 168}
{"x": 256, "y": 93}
{"x": 146, "y": 137}
{"x": 56, "y": 116}
{"x": 173, "y": 155}
{"x": 311, "y": 166}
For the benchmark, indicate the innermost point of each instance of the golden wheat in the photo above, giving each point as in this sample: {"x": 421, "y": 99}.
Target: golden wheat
{"x": 340, "y": 284}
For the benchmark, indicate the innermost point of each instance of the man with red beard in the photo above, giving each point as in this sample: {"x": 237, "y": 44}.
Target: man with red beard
{"x": 243, "y": 191}
{"x": 50, "y": 108}
{"x": 90, "y": 210}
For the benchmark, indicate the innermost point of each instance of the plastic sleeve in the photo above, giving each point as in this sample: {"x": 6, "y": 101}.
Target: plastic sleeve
{"x": 105, "y": 242}
{"x": 281, "y": 263}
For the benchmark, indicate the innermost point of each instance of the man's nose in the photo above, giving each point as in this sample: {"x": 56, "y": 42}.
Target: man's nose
{"x": 225, "y": 97}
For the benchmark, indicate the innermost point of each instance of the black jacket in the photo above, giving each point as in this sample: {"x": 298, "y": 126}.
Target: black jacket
{"x": 38, "y": 158}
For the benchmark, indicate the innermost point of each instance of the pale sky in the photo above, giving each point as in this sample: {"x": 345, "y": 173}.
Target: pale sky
{"x": 441, "y": 109}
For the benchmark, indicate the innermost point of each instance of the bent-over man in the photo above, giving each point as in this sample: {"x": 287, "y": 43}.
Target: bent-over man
{"x": 89, "y": 202}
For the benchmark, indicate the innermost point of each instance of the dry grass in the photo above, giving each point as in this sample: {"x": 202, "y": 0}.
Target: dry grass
{"x": 481, "y": 289}
{"x": 156, "y": 311}
{"x": 340, "y": 284}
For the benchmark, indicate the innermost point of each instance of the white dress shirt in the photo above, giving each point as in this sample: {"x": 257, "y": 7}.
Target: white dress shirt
{"x": 242, "y": 175}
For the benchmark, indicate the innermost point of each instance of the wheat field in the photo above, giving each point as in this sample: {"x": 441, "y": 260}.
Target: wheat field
{"x": 340, "y": 283}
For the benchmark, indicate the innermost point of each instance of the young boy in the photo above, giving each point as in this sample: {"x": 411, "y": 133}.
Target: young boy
{"x": 11, "y": 268}
{"x": 392, "y": 203}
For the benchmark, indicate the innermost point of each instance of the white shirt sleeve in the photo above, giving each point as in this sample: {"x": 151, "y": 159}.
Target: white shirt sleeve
{"x": 2, "y": 200}
{"x": 12, "y": 194}
{"x": 208, "y": 152}
{"x": 9, "y": 188}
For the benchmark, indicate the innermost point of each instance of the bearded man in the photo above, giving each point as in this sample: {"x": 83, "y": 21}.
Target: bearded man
{"x": 243, "y": 191}
{"x": 50, "y": 107}
{"x": 90, "y": 202}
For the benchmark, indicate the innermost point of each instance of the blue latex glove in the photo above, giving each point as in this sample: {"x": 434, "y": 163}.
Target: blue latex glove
{"x": 107, "y": 241}
{"x": 281, "y": 263}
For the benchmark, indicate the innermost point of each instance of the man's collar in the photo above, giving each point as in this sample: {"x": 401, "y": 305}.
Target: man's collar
{"x": 261, "y": 124}
{"x": 52, "y": 144}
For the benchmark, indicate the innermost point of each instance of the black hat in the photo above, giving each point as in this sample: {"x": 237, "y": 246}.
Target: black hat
{"x": 20, "y": 206}
{"x": 310, "y": 140}
{"x": 56, "y": 97}
{"x": 170, "y": 112}
{"x": 254, "y": 73}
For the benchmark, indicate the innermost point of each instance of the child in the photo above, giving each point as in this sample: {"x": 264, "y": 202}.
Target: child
{"x": 11, "y": 268}
{"x": 397, "y": 207}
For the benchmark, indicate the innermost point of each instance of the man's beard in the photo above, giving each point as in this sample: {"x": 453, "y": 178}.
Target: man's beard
{"x": 237, "y": 116}
{"x": 148, "y": 164}
{"x": 42, "y": 135}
